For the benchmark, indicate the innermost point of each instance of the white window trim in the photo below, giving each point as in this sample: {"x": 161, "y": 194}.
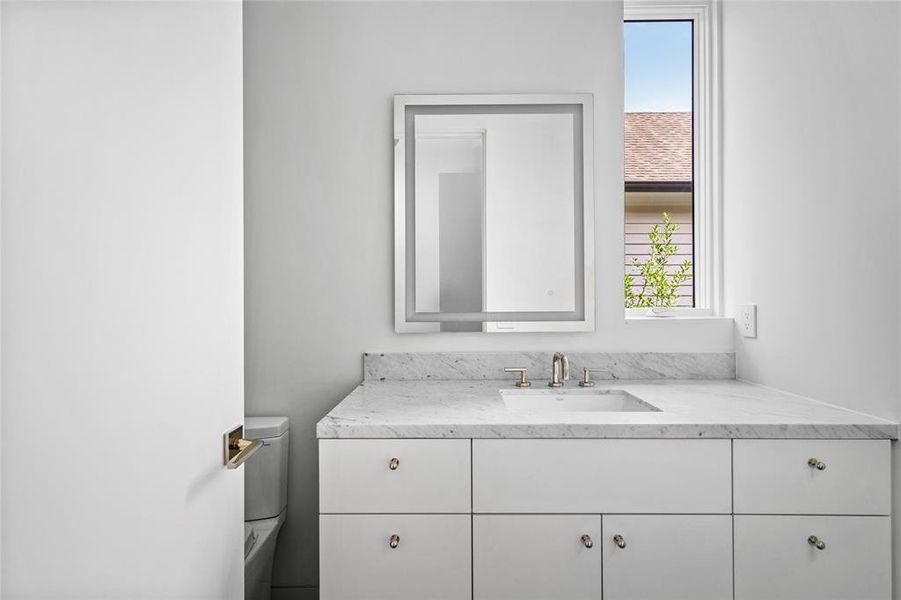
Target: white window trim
{"x": 707, "y": 146}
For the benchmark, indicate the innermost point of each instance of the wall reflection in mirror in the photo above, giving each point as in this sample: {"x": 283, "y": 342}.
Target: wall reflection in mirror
{"x": 492, "y": 199}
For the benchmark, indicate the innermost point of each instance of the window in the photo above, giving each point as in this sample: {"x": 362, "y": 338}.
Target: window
{"x": 671, "y": 157}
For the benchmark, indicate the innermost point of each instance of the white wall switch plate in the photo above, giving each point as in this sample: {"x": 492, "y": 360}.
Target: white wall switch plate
{"x": 747, "y": 320}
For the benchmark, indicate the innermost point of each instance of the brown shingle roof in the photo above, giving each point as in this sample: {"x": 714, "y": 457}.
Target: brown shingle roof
{"x": 658, "y": 147}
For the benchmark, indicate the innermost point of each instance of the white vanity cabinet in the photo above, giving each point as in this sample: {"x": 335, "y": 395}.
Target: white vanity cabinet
{"x": 601, "y": 476}
{"x": 812, "y": 519}
{"x": 395, "y": 557}
{"x": 395, "y": 519}
{"x": 536, "y": 557}
{"x": 674, "y": 551}
{"x": 676, "y": 557}
{"x": 812, "y": 477}
{"x": 394, "y": 476}
{"x": 775, "y": 559}
{"x": 618, "y": 519}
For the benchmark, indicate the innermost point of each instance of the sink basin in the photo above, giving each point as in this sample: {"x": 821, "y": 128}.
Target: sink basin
{"x": 574, "y": 400}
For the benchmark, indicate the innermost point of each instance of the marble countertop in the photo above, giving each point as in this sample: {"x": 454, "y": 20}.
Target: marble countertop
{"x": 688, "y": 409}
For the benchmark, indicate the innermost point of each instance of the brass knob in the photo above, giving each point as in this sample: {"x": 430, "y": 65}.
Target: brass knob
{"x": 586, "y": 541}
{"x": 815, "y": 541}
{"x": 393, "y": 464}
{"x": 394, "y": 540}
{"x": 619, "y": 541}
{"x": 816, "y": 464}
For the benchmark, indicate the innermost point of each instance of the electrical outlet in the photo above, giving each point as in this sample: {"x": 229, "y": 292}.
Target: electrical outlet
{"x": 747, "y": 320}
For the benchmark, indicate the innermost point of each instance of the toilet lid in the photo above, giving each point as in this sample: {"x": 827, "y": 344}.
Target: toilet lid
{"x": 250, "y": 538}
{"x": 256, "y": 428}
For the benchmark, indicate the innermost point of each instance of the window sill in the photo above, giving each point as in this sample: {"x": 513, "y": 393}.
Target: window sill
{"x": 680, "y": 314}
{"x": 680, "y": 318}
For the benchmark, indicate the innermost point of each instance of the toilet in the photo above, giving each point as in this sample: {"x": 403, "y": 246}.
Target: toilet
{"x": 265, "y": 501}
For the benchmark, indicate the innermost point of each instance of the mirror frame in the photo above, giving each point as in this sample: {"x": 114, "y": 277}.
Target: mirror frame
{"x": 404, "y": 321}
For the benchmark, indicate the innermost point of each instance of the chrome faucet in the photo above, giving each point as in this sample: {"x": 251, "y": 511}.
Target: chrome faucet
{"x": 559, "y": 370}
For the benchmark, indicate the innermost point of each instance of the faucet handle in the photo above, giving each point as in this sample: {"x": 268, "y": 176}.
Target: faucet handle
{"x": 522, "y": 383}
{"x": 586, "y": 375}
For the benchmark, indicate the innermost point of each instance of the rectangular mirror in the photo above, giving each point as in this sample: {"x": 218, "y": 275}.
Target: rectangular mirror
{"x": 494, "y": 213}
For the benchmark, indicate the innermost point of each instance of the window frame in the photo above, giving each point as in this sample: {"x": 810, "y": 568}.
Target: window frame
{"x": 706, "y": 146}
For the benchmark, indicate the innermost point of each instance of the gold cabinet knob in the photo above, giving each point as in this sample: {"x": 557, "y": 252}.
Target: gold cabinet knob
{"x": 393, "y": 464}
{"x": 619, "y": 541}
{"x": 815, "y": 541}
{"x": 394, "y": 540}
{"x": 813, "y": 463}
{"x": 587, "y": 542}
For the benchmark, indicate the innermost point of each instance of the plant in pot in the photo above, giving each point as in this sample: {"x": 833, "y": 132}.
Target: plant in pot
{"x": 659, "y": 287}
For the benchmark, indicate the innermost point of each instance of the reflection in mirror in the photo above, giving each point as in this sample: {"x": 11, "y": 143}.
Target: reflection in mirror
{"x": 493, "y": 234}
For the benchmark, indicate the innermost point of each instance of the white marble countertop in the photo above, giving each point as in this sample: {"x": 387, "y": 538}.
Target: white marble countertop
{"x": 688, "y": 409}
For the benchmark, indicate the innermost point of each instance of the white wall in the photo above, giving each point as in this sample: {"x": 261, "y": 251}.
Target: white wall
{"x": 121, "y": 299}
{"x": 811, "y": 125}
{"x": 319, "y": 81}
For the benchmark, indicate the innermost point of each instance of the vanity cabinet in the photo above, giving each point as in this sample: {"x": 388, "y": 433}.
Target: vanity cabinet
{"x": 775, "y": 559}
{"x": 536, "y": 557}
{"x": 394, "y": 476}
{"x": 812, "y": 519}
{"x": 395, "y": 557}
{"x": 601, "y": 476}
{"x": 677, "y": 557}
{"x": 812, "y": 477}
{"x": 618, "y": 519}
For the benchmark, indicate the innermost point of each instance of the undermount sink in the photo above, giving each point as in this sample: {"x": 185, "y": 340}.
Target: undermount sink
{"x": 574, "y": 400}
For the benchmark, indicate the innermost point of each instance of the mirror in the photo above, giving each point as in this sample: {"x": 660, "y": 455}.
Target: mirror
{"x": 494, "y": 213}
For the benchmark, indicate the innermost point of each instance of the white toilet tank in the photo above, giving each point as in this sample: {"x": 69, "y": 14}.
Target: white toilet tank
{"x": 266, "y": 472}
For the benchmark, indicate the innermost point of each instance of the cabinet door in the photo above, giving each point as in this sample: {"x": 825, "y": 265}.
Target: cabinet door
{"x": 774, "y": 559}
{"x": 522, "y": 557}
{"x": 669, "y": 557}
{"x": 430, "y": 560}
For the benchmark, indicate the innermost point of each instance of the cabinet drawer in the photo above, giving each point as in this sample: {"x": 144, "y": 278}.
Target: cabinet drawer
{"x": 428, "y": 476}
{"x": 774, "y": 477}
{"x": 536, "y": 557}
{"x": 432, "y": 557}
{"x": 774, "y": 559}
{"x": 677, "y": 557}
{"x": 595, "y": 476}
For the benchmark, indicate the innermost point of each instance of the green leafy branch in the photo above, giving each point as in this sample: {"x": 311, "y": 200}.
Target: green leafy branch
{"x": 658, "y": 288}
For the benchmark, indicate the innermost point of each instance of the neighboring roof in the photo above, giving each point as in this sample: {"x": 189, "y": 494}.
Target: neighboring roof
{"x": 658, "y": 147}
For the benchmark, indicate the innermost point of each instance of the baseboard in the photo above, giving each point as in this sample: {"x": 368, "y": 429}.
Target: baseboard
{"x": 295, "y": 593}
